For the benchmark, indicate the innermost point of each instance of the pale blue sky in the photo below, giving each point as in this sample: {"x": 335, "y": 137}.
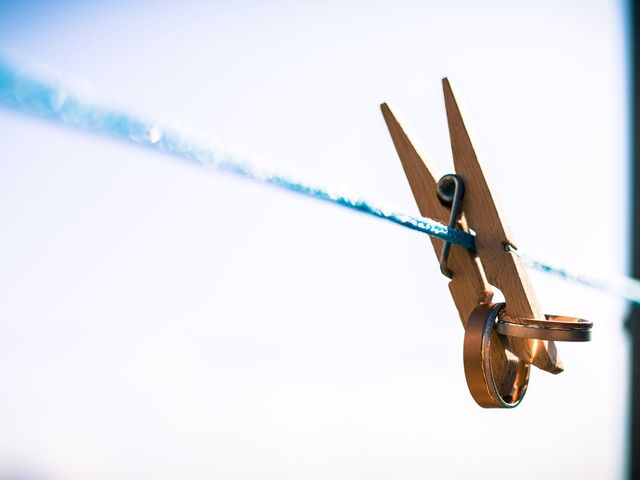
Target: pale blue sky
{"x": 160, "y": 321}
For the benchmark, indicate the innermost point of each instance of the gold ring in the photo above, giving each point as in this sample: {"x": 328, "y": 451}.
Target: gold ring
{"x": 479, "y": 340}
{"x": 557, "y": 328}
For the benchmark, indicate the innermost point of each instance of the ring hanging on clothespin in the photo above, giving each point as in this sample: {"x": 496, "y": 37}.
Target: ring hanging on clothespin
{"x": 481, "y": 344}
{"x": 555, "y": 327}
{"x": 502, "y": 340}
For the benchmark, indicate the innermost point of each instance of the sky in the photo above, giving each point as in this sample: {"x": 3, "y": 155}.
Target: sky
{"x": 161, "y": 321}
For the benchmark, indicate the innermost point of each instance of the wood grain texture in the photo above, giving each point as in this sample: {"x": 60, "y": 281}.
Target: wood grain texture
{"x": 503, "y": 270}
{"x": 468, "y": 287}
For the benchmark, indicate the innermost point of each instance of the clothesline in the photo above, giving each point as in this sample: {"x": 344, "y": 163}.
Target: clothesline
{"x": 34, "y": 89}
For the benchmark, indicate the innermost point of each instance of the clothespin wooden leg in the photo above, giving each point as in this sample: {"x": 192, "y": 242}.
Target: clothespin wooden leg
{"x": 503, "y": 270}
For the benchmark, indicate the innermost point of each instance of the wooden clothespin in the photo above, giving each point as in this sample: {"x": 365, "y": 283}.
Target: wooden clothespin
{"x": 501, "y": 340}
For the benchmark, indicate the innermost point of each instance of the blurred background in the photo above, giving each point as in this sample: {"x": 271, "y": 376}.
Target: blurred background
{"x": 162, "y": 321}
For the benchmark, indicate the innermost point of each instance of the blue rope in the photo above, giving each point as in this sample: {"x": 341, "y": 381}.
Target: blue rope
{"x": 45, "y": 94}
{"x": 35, "y": 90}
{"x": 619, "y": 286}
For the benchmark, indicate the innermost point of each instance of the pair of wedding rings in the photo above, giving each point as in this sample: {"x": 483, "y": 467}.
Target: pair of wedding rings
{"x": 486, "y": 321}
